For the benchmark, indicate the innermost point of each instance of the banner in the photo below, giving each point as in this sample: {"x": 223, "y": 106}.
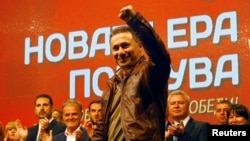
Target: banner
{"x": 62, "y": 48}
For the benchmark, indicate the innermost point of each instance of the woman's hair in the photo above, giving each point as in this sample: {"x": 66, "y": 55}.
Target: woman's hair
{"x": 241, "y": 110}
{"x": 10, "y": 125}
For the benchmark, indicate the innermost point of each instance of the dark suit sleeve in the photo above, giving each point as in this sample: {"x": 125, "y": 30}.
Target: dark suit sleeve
{"x": 56, "y": 127}
{"x": 63, "y": 137}
{"x": 152, "y": 43}
{"x": 85, "y": 134}
{"x": 59, "y": 137}
{"x": 203, "y": 132}
{"x": 32, "y": 133}
{"x": 195, "y": 131}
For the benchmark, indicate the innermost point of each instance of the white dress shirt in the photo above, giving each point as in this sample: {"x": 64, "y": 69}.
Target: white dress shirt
{"x": 71, "y": 137}
{"x": 185, "y": 121}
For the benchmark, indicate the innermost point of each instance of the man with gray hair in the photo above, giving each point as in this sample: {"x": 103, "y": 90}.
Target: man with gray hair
{"x": 72, "y": 115}
{"x": 184, "y": 126}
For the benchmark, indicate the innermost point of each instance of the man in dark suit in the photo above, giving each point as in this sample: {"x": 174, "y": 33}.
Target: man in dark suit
{"x": 43, "y": 111}
{"x": 72, "y": 115}
{"x": 81, "y": 135}
{"x": 184, "y": 128}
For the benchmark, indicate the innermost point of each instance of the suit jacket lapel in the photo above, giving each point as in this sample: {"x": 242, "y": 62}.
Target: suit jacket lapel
{"x": 190, "y": 125}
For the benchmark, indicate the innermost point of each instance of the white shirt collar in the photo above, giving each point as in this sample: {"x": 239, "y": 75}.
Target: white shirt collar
{"x": 74, "y": 132}
{"x": 185, "y": 121}
{"x": 39, "y": 128}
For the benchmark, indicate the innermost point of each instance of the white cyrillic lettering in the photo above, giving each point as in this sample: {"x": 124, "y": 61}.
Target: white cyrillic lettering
{"x": 48, "y": 47}
{"x": 202, "y": 106}
{"x": 96, "y": 76}
{"x": 210, "y": 105}
{"x": 72, "y": 82}
{"x": 221, "y": 73}
{"x": 95, "y": 45}
{"x": 234, "y": 100}
{"x": 195, "y": 72}
{"x": 193, "y": 107}
{"x": 75, "y": 43}
{"x": 221, "y": 31}
{"x": 173, "y": 33}
{"x": 194, "y": 34}
{"x": 33, "y": 49}
{"x": 178, "y": 75}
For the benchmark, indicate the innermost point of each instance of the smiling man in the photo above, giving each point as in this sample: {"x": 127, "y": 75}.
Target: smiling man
{"x": 72, "y": 114}
{"x": 184, "y": 126}
{"x": 134, "y": 102}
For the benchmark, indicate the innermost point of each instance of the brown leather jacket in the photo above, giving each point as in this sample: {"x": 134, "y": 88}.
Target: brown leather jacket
{"x": 147, "y": 85}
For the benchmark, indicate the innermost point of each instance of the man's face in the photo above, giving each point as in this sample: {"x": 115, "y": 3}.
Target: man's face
{"x": 178, "y": 107}
{"x": 43, "y": 108}
{"x": 125, "y": 50}
{"x": 57, "y": 116}
{"x": 95, "y": 112}
{"x": 72, "y": 116}
{"x": 221, "y": 113}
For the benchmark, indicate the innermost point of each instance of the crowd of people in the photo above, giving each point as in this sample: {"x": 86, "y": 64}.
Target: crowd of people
{"x": 136, "y": 104}
{"x": 227, "y": 113}
{"x": 186, "y": 128}
{"x": 57, "y": 125}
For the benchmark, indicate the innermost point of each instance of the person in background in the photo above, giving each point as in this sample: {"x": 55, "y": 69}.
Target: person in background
{"x": 238, "y": 114}
{"x": 43, "y": 110}
{"x": 12, "y": 133}
{"x": 1, "y": 131}
{"x": 135, "y": 100}
{"x": 95, "y": 111}
{"x": 57, "y": 115}
{"x": 95, "y": 115}
{"x": 184, "y": 128}
{"x": 220, "y": 111}
{"x": 72, "y": 115}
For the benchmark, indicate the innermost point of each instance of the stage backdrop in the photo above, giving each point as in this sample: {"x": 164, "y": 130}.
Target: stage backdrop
{"x": 61, "y": 48}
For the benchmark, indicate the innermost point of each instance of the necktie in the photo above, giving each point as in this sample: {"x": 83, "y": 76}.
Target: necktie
{"x": 174, "y": 137}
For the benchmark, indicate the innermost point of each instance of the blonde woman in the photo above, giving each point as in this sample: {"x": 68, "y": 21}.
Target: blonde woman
{"x": 13, "y": 133}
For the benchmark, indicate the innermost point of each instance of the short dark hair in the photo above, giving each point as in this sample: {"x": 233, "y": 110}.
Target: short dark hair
{"x": 122, "y": 29}
{"x": 94, "y": 101}
{"x": 45, "y": 96}
{"x": 59, "y": 111}
{"x": 239, "y": 109}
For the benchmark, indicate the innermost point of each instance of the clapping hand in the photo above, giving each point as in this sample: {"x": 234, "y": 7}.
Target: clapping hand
{"x": 79, "y": 135}
{"x": 45, "y": 136}
{"x": 22, "y": 131}
{"x": 176, "y": 130}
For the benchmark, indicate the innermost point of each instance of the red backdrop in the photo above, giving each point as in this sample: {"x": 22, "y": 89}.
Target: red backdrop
{"x": 38, "y": 37}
